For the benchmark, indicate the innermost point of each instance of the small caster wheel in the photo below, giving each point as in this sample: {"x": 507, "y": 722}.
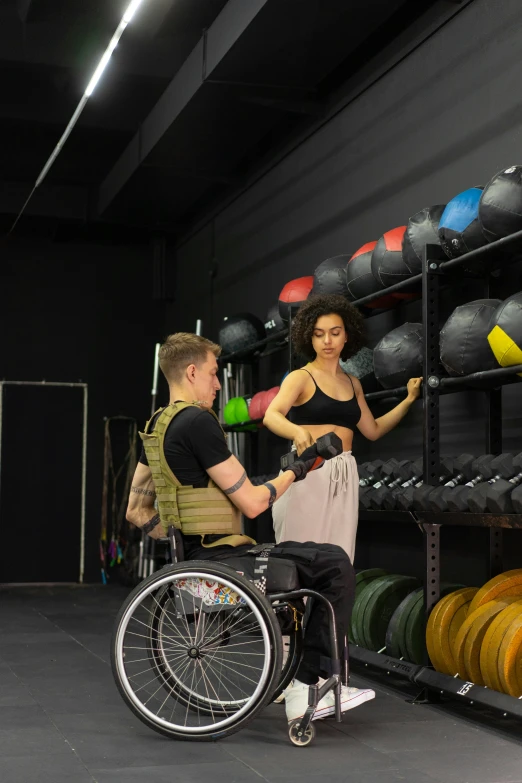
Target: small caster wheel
{"x": 298, "y": 737}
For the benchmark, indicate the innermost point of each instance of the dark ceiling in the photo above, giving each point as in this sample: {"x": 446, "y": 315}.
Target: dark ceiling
{"x": 198, "y": 94}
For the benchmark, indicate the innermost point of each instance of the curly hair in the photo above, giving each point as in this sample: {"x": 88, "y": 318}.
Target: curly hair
{"x": 318, "y": 305}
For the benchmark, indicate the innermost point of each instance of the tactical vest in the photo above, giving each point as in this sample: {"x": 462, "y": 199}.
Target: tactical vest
{"x": 206, "y": 511}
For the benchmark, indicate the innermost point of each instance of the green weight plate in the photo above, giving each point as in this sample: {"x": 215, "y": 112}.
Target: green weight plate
{"x": 381, "y": 606}
{"x": 410, "y": 602}
{"x": 358, "y": 610}
{"x": 393, "y": 641}
{"x": 366, "y": 596}
{"x": 415, "y": 631}
{"x": 362, "y": 580}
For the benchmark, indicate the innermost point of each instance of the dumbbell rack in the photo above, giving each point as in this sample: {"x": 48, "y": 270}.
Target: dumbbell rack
{"x": 437, "y": 269}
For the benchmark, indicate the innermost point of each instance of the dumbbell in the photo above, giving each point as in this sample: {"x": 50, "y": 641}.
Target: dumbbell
{"x": 390, "y": 502}
{"x": 499, "y": 497}
{"x": 418, "y": 495}
{"x": 516, "y": 499}
{"x": 377, "y": 494}
{"x": 437, "y": 500}
{"x": 387, "y": 474}
{"x": 369, "y": 472}
{"x": 483, "y": 468}
{"x": 326, "y": 446}
{"x": 504, "y": 467}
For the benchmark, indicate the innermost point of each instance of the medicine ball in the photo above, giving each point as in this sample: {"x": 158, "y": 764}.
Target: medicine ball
{"x": 388, "y": 266}
{"x": 500, "y": 207}
{"x": 257, "y": 407}
{"x": 360, "y": 281}
{"x": 273, "y": 322}
{"x": 398, "y": 356}
{"x": 464, "y": 345}
{"x": 422, "y": 229}
{"x": 330, "y": 276}
{"x": 361, "y": 366}
{"x": 239, "y": 332}
{"x": 294, "y": 293}
{"x": 505, "y": 335}
{"x": 459, "y": 227}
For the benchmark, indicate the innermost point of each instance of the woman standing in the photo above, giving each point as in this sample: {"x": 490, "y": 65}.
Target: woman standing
{"x": 321, "y": 398}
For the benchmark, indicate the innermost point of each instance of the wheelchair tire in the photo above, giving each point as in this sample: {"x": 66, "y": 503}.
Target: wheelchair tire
{"x": 291, "y": 664}
{"x": 158, "y": 670}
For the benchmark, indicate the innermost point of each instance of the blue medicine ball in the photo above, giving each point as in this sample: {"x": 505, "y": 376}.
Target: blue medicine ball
{"x": 459, "y": 228}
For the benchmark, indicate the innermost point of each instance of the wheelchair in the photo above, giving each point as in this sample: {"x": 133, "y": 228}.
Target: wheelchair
{"x": 197, "y": 649}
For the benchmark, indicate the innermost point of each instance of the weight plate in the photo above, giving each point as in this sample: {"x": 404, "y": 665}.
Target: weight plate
{"x": 358, "y": 625}
{"x": 432, "y": 630}
{"x": 509, "y": 659}
{"x": 471, "y": 635}
{"x": 362, "y": 580}
{"x": 415, "y": 632}
{"x": 492, "y": 643}
{"x": 381, "y": 604}
{"x": 394, "y": 633}
{"x": 508, "y": 583}
{"x": 443, "y": 626}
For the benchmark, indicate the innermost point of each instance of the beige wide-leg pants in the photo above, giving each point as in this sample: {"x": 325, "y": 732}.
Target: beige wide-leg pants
{"x": 323, "y": 507}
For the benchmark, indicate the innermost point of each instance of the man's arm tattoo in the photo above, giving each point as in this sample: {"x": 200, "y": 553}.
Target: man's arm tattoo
{"x": 140, "y": 491}
{"x": 273, "y": 493}
{"x": 237, "y": 485}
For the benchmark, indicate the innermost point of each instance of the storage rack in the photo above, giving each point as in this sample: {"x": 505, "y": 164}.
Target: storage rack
{"x": 437, "y": 269}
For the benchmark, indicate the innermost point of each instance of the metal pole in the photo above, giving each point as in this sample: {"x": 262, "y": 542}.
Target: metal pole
{"x": 84, "y": 482}
{"x": 199, "y": 327}
{"x": 154, "y": 392}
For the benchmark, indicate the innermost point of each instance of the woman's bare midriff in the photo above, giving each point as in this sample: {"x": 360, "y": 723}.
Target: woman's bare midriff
{"x": 316, "y": 430}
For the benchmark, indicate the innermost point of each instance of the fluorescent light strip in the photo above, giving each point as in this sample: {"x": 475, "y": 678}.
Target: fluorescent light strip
{"x": 126, "y": 18}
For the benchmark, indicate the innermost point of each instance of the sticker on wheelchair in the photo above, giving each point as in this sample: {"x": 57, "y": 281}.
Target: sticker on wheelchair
{"x": 211, "y": 593}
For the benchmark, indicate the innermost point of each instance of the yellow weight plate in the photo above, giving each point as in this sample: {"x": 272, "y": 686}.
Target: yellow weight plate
{"x": 508, "y": 583}
{"x": 431, "y": 632}
{"x": 492, "y": 642}
{"x": 509, "y": 658}
{"x": 449, "y": 620}
{"x": 470, "y": 637}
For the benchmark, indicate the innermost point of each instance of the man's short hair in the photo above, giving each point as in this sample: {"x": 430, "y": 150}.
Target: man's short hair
{"x": 181, "y": 349}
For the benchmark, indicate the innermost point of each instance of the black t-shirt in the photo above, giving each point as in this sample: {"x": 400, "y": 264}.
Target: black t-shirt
{"x": 194, "y": 442}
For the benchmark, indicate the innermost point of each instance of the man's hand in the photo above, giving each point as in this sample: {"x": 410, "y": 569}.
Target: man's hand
{"x": 303, "y": 440}
{"x": 414, "y": 389}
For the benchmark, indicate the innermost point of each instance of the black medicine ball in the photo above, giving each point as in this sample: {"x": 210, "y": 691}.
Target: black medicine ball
{"x": 239, "y": 332}
{"x": 330, "y": 276}
{"x": 398, "y": 356}
{"x": 500, "y": 207}
{"x": 464, "y": 346}
{"x": 422, "y": 229}
{"x": 273, "y": 322}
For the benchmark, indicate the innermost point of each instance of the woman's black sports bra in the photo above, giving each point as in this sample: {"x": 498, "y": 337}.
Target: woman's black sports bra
{"x": 322, "y": 409}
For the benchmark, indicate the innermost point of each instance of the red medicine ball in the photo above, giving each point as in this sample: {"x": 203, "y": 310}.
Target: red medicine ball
{"x": 388, "y": 264}
{"x": 294, "y": 293}
{"x": 360, "y": 282}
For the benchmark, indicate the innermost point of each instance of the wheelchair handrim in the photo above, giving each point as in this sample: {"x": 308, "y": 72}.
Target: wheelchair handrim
{"x": 120, "y": 662}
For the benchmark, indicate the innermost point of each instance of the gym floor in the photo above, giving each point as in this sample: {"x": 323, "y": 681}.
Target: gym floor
{"x": 63, "y": 721}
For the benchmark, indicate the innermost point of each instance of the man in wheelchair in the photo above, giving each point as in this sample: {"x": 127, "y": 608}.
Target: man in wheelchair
{"x": 201, "y": 489}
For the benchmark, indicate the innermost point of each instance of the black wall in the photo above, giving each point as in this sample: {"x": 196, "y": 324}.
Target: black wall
{"x": 70, "y": 312}
{"x": 446, "y": 117}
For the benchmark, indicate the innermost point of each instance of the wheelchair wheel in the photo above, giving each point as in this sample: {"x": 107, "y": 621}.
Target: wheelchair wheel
{"x": 196, "y": 651}
{"x": 290, "y": 666}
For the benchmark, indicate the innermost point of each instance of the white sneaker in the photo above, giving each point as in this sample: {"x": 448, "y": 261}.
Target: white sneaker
{"x": 350, "y": 698}
{"x": 296, "y": 702}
